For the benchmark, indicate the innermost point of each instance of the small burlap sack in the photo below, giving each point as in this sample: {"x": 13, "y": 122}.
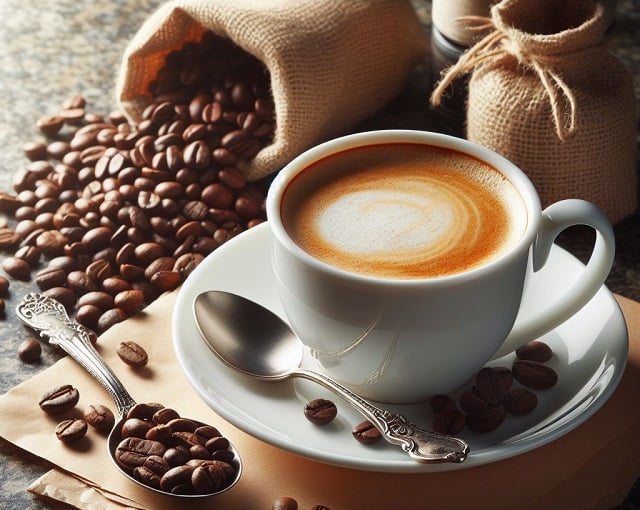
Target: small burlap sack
{"x": 331, "y": 62}
{"x": 545, "y": 93}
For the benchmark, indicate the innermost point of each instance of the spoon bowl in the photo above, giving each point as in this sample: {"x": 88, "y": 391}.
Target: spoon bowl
{"x": 49, "y": 318}
{"x": 253, "y": 340}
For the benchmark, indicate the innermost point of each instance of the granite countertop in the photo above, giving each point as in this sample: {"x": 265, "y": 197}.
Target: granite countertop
{"x": 52, "y": 50}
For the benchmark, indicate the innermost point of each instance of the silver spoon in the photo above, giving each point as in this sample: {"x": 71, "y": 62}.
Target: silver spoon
{"x": 256, "y": 342}
{"x": 49, "y": 318}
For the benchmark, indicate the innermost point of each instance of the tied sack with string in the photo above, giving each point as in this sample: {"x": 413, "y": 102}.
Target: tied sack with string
{"x": 331, "y": 63}
{"x": 546, "y": 93}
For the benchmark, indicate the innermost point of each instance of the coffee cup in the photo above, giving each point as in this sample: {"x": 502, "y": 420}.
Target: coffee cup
{"x": 400, "y": 259}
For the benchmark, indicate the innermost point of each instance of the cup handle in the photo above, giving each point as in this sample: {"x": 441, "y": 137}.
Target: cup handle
{"x": 555, "y": 219}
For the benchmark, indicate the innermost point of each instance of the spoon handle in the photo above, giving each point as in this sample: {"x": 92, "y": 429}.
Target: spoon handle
{"x": 421, "y": 444}
{"x": 49, "y": 318}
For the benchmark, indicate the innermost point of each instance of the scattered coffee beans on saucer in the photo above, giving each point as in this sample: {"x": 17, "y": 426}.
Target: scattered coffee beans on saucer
{"x": 486, "y": 405}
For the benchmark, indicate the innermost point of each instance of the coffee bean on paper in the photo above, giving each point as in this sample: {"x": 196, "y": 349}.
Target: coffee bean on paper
{"x": 100, "y": 417}
{"x": 320, "y": 411}
{"x": 174, "y": 454}
{"x": 29, "y": 350}
{"x": 285, "y": 503}
{"x": 132, "y": 354}
{"x": 72, "y": 430}
{"x": 535, "y": 351}
{"x": 366, "y": 433}
{"x": 59, "y": 399}
{"x": 534, "y": 375}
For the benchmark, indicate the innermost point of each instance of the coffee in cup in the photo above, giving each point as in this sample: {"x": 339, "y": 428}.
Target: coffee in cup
{"x": 403, "y": 211}
{"x": 400, "y": 259}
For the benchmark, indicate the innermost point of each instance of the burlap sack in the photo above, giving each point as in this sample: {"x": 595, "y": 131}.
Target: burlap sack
{"x": 332, "y": 62}
{"x": 546, "y": 93}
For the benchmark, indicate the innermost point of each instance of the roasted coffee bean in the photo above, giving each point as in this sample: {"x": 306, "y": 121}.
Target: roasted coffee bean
{"x": 100, "y": 417}
{"x": 166, "y": 280}
{"x": 165, "y": 415}
{"x": 132, "y": 354}
{"x": 439, "y": 403}
{"x": 72, "y": 430}
{"x": 65, "y": 296}
{"x": 534, "y": 375}
{"x": 490, "y": 386}
{"x": 197, "y": 451}
{"x": 177, "y": 456}
{"x": 99, "y": 299}
{"x": 29, "y": 350}
{"x": 17, "y": 268}
{"x": 4, "y": 286}
{"x": 88, "y": 315}
{"x": 81, "y": 283}
{"x": 144, "y": 411}
{"x": 520, "y": 401}
{"x": 366, "y": 432}
{"x": 132, "y": 452}
{"x": 8, "y": 239}
{"x": 285, "y": 503}
{"x": 320, "y": 411}
{"x": 175, "y": 477}
{"x": 471, "y": 402}
{"x": 449, "y": 421}
{"x": 217, "y": 444}
{"x": 51, "y": 277}
{"x": 535, "y": 351}
{"x": 161, "y": 432}
{"x": 131, "y": 301}
{"x": 136, "y": 427}
{"x": 147, "y": 476}
{"x": 110, "y": 318}
{"x": 487, "y": 420}
{"x": 59, "y": 399}
{"x": 2, "y": 306}
{"x": 212, "y": 476}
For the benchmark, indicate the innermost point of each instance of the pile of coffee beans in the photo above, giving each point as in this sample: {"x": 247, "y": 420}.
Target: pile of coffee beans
{"x": 173, "y": 454}
{"x": 485, "y": 406}
{"x": 122, "y": 212}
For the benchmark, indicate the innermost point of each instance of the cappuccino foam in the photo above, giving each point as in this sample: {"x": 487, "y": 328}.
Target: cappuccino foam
{"x": 403, "y": 211}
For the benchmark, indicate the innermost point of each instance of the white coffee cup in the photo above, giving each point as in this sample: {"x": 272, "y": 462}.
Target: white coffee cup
{"x": 403, "y": 340}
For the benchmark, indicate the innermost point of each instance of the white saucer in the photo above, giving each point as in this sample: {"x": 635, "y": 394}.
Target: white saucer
{"x": 590, "y": 353}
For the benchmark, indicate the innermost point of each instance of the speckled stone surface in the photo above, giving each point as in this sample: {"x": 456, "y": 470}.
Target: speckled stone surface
{"x": 50, "y": 50}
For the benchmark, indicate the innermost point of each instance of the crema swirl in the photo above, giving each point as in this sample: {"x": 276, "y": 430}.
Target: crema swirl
{"x": 403, "y": 211}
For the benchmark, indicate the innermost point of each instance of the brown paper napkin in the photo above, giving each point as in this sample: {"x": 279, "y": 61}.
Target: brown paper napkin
{"x": 591, "y": 467}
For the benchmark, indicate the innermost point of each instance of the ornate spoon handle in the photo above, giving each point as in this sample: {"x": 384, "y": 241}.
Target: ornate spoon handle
{"x": 421, "y": 444}
{"x": 49, "y": 318}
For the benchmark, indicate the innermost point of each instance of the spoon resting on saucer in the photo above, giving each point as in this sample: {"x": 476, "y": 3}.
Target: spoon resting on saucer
{"x": 253, "y": 340}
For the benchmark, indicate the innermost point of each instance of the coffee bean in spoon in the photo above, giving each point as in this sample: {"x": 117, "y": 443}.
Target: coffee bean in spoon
{"x": 179, "y": 456}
